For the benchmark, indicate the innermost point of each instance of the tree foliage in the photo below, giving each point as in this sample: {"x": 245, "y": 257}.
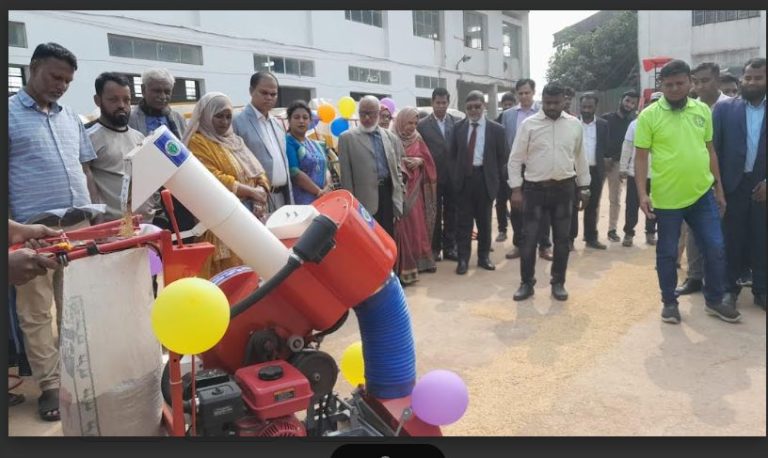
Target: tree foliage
{"x": 603, "y": 59}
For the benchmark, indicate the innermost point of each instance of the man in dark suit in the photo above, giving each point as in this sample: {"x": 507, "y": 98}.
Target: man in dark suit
{"x": 595, "y": 142}
{"x": 476, "y": 157}
{"x": 436, "y": 130}
{"x": 739, "y": 140}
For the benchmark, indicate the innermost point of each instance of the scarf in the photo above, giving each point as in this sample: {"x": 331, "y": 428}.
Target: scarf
{"x": 404, "y": 116}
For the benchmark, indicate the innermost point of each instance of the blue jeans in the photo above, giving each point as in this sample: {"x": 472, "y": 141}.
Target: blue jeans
{"x": 704, "y": 221}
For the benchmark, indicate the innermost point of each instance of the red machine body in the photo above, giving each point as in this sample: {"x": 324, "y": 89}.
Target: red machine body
{"x": 273, "y": 389}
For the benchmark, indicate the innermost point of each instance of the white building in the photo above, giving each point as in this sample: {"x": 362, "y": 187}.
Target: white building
{"x": 727, "y": 37}
{"x": 325, "y": 54}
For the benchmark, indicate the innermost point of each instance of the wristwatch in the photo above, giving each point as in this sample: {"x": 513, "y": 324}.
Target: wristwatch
{"x": 585, "y": 192}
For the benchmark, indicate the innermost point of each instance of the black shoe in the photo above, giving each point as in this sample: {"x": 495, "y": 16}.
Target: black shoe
{"x": 596, "y": 245}
{"x": 486, "y": 264}
{"x": 524, "y": 292}
{"x": 729, "y": 299}
{"x": 514, "y": 253}
{"x": 760, "y": 300}
{"x": 546, "y": 254}
{"x": 689, "y": 286}
{"x": 670, "y": 314}
{"x": 559, "y": 292}
{"x": 501, "y": 237}
{"x": 462, "y": 268}
{"x": 723, "y": 311}
{"x": 745, "y": 280}
{"x": 613, "y": 236}
{"x": 436, "y": 255}
{"x": 451, "y": 255}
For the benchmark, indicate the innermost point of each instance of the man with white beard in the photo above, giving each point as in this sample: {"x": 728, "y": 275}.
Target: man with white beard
{"x": 370, "y": 165}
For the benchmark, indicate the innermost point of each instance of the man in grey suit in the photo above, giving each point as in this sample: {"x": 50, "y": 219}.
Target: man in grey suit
{"x": 511, "y": 120}
{"x": 436, "y": 130}
{"x": 153, "y": 109}
{"x": 476, "y": 158}
{"x": 370, "y": 166}
{"x": 265, "y": 137}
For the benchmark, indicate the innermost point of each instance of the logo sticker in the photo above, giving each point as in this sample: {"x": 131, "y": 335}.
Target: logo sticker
{"x": 366, "y": 216}
{"x": 172, "y": 148}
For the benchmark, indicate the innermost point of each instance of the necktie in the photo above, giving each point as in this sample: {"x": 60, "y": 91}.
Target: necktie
{"x": 471, "y": 145}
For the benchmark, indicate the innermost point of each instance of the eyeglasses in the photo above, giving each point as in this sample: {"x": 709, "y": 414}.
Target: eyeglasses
{"x": 368, "y": 114}
{"x": 385, "y": 116}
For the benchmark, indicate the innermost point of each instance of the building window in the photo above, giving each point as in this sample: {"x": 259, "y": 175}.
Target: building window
{"x": 284, "y": 65}
{"x": 473, "y": 30}
{"x": 369, "y": 75}
{"x": 359, "y": 95}
{"x": 16, "y": 79}
{"x": 511, "y": 40}
{"x": 701, "y": 17}
{"x": 184, "y": 89}
{"x": 423, "y": 101}
{"x": 429, "y": 82}
{"x": 17, "y": 34}
{"x": 140, "y": 48}
{"x": 370, "y": 17}
{"x": 426, "y": 23}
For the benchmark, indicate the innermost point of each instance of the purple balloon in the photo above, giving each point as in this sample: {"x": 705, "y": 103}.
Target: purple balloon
{"x": 389, "y": 103}
{"x": 155, "y": 264}
{"x": 440, "y": 397}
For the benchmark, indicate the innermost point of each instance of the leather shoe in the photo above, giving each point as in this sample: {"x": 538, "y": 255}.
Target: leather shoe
{"x": 462, "y": 268}
{"x": 596, "y": 245}
{"x": 524, "y": 292}
{"x": 486, "y": 264}
{"x": 501, "y": 237}
{"x": 451, "y": 255}
{"x": 436, "y": 256}
{"x": 514, "y": 253}
{"x": 689, "y": 286}
{"x": 559, "y": 292}
{"x": 546, "y": 253}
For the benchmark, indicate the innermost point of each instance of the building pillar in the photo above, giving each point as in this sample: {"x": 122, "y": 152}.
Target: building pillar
{"x": 493, "y": 101}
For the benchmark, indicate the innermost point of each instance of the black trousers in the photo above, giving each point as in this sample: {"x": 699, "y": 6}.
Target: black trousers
{"x": 632, "y": 209}
{"x": 556, "y": 201}
{"x": 502, "y": 206}
{"x": 474, "y": 207}
{"x": 518, "y": 228}
{"x": 385, "y": 215}
{"x": 444, "y": 236}
{"x": 592, "y": 210}
{"x": 744, "y": 227}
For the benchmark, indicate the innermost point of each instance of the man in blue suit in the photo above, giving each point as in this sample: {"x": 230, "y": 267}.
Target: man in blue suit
{"x": 739, "y": 140}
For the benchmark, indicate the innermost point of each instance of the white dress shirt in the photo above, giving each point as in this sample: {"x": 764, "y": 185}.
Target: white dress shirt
{"x": 590, "y": 141}
{"x": 550, "y": 149}
{"x": 441, "y": 124}
{"x": 477, "y": 157}
{"x": 269, "y": 133}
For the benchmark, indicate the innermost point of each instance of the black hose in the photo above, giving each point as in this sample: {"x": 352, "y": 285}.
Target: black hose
{"x": 294, "y": 262}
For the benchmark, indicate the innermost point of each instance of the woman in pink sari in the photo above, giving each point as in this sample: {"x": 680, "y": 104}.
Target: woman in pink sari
{"x": 413, "y": 231}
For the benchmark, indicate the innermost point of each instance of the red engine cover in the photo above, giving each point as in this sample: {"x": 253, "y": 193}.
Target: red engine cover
{"x": 269, "y": 399}
{"x": 288, "y": 426}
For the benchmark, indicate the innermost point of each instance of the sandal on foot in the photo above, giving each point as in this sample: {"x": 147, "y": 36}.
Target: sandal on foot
{"x": 15, "y": 399}
{"x": 48, "y": 405}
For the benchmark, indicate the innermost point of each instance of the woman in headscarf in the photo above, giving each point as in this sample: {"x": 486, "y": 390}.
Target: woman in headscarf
{"x": 306, "y": 157}
{"x": 385, "y": 116}
{"x": 413, "y": 231}
{"x": 211, "y": 139}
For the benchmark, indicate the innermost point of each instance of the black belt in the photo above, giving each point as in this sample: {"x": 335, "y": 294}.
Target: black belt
{"x": 276, "y": 189}
{"x": 548, "y": 183}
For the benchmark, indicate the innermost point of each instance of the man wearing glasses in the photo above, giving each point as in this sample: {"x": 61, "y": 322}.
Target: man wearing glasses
{"x": 264, "y": 136}
{"x": 369, "y": 157}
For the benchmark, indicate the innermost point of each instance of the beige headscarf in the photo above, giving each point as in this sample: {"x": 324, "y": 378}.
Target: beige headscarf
{"x": 403, "y": 117}
{"x": 202, "y": 121}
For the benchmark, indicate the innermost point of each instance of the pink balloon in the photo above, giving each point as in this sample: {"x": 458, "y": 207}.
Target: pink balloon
{"x": 440, "y": 397}
{"x": 155, "y": 263}
{"x": 389, "y": 103}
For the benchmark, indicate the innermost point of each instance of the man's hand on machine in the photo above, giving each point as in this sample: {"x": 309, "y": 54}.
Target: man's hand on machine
{"x": 25, "y": 264}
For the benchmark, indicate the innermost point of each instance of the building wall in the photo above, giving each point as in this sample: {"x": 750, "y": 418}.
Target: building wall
{"x": 230, "y": 38}
{"x": 672, "y": 34}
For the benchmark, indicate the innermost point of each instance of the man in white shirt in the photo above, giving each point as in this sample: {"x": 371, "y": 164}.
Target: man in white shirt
{"x": 550, "y": 145}
{"x": 706, "y": 83}
{"x": 265, "y": 137}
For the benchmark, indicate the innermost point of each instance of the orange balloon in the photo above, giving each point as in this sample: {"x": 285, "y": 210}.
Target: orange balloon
{"x": 326, "y": 112}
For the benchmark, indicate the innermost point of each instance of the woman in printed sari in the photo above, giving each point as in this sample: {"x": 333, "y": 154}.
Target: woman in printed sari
{"x": 211, "y": 139}
{"x": 413, "y": 231}
{"x": 306, "y": 157}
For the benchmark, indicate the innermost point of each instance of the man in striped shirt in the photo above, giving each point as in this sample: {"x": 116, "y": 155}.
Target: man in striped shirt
{"x": 47, "y": 145}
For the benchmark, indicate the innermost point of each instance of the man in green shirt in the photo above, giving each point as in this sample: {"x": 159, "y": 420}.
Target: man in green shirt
{"x": 685, "y": 187}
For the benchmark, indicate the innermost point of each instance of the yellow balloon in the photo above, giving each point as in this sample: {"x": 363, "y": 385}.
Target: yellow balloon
{"x": 190, "y": 316}
{"x": 346, "y": 107}
{"x": 352, "y": 365}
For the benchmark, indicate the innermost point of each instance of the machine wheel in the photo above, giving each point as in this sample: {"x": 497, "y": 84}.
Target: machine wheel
{"x": 319, "y": 368}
